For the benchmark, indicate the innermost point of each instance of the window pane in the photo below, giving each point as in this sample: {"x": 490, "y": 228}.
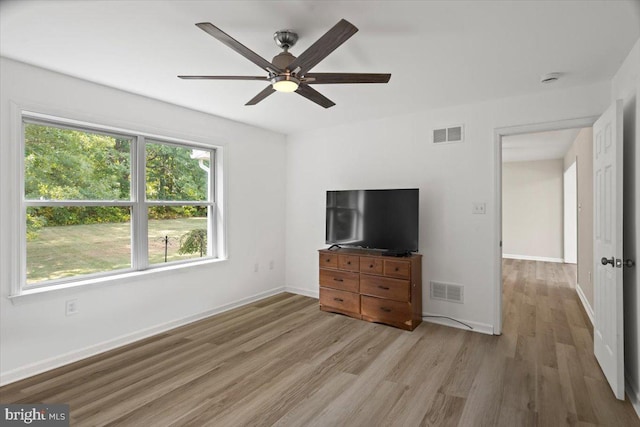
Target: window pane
{"x": 176, "y": 173}
{"x": 177, "y": 233}
{"x": 74, "y": 241}
{"x": 65, "y": 164}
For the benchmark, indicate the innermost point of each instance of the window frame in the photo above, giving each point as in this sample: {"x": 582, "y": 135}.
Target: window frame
{"x": 137, "y": 203}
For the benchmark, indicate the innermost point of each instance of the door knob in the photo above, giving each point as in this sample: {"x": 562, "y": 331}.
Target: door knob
{"x": 606, "y": 261}
{"x": 629, "y": 263}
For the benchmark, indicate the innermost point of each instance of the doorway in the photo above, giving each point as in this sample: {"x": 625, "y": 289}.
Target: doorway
{"x": 502, "y": 135}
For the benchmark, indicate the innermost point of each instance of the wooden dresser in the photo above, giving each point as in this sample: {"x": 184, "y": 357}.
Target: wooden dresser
{"x": 366, "y": 285}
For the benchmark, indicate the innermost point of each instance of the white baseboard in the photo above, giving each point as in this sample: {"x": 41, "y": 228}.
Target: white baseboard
{"x": 533, "y": 258}
{"x": 634, "y": 395}
{"x": 315, "y": 293}
{"x": 76, "y": 355}
{"x": 585, "y": 303}
{"x": 482, "y": 328}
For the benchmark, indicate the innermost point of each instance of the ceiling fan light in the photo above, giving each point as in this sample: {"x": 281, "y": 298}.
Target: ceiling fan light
{"x": 285, "y": 83}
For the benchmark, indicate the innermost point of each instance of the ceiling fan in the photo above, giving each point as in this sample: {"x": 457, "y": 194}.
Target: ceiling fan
{"x": 287, "y": 73}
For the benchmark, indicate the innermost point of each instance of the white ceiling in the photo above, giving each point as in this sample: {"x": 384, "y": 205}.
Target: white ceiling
{"x": 440, "y": 53}
{"x": 538, "y": 146}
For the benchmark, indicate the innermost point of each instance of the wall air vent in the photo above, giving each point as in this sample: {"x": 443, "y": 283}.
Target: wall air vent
{"x": 448, "y": 134}
{"x": 447, "y": 292}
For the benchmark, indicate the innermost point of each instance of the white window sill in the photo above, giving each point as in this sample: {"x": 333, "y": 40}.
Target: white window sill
{"x": 28, "y": 295}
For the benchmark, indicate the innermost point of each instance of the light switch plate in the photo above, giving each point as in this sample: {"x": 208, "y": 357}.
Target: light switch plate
{"x": 479, "y": 208}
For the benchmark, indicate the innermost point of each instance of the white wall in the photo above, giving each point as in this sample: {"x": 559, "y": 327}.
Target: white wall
{"x": 532, "y": 222}
{"x": 581, "y": 152}
{"x": 626, "y": 85}
{"x": 35, "y": 334}
{"x": 396, "y": 152}
{"x": 570, "y": 207}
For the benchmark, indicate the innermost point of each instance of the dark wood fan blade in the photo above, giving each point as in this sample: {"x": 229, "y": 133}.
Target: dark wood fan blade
{"x": 337, "y": 78}
{"x": 262, "y": 95}
{"x": 315, "y": 96}
{"x": 238, "y": 47}
{"x": 224, "y": 78}
{"x": 326, "y": 44}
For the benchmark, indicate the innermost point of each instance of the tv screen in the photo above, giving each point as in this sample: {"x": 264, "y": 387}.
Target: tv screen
{"x": 375, "y": 219}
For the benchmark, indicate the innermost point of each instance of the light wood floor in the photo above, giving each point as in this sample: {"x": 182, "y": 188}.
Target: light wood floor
{"x": 282, "y": 361}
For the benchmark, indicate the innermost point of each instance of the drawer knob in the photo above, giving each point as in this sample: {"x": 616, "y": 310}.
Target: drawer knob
{"x": 383, "y": 287}
{"x": 338, "y": 299}
{"x": 371, "y": 266}
{"x": 385, "y": 309}
{"x": 348, "y": 262}
{"x": 328, "y": 259}
{"x": 338, "y": 280}
{"x": 397, "y": 269}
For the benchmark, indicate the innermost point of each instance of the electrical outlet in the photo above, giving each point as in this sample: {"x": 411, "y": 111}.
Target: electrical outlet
{"x": 479, "y": 208}
{"x": 255, "y": 267}
{"x": 71, "y": 307}
{"x": 271, "y": 265}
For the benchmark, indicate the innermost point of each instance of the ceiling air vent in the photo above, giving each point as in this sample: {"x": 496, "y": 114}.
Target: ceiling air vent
{"x": 447, "y": 292}
{"x": 448, "y": 134}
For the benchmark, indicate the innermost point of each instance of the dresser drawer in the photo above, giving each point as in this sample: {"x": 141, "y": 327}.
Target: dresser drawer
{"x": 342, "y": 280}
{"x": 328, "y": 260}
{"x": 399, "y": 269}
{"x": 341, "y": 300}
{"x": 395, "y": 313}
{"x": 349, "y": 262}
{"x": 384, "y": 287}
{"x": 371, "y": 265}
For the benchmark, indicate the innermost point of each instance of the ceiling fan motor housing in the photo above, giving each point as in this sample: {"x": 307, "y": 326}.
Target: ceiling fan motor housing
{"x": 282, "y": 60}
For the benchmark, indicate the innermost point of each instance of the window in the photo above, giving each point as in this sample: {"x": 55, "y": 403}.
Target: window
{"x": 100, "y": 203}
{"x": 176, "y": 188}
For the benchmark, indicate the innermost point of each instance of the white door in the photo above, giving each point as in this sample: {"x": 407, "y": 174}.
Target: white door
{"x": 608, "y": 333}
{"x": 571, "y": 215}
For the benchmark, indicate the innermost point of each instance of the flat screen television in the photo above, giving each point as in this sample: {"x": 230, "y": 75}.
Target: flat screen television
{"x": 374, "y": 219}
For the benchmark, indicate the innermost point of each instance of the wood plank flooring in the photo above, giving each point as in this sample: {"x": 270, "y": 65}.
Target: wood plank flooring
{"x": 281, "y": 361}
